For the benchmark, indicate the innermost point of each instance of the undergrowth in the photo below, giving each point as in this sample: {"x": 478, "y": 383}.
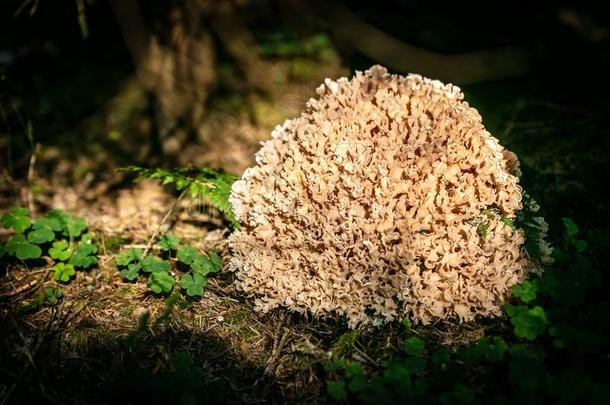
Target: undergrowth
{"x": 548, "y": 348}
{"x": 214, "y": 185}
{"x": 56, "y": 241}
{"x": 551, "y": 344}
{"x": 194, "y": 266}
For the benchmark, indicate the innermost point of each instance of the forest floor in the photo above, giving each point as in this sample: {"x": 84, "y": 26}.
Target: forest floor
{"x": 109, "y": 339}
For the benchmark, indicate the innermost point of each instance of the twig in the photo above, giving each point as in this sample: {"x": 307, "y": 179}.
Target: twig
{"x": 277, "y": 348}
{"x": 363, "y": 354}
{"x": 20, "y": 289}
{"x": 31, "y": 174}
{"x": 165, "y": 218}
{"x": 104, "y": 245}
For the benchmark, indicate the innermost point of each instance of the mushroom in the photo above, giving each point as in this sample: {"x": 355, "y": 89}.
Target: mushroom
{"x": 371, "y": 201}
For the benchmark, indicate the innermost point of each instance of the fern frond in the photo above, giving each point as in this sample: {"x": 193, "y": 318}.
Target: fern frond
{"x": 213, "y": 185}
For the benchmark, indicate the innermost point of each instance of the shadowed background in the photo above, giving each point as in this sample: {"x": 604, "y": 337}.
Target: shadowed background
{"x": 87, "y": 87}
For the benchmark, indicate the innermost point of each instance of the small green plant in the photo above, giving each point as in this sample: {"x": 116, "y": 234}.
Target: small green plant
{"x": 52, "y": 295}
{"x": 49, "y": 296}
{"x": 63, "y": 271}
{"x": 214, "y": 185}
{"x": 194, "y": 266}
{"x": 58, "y": 233}
{"x": 553, "y": 323}
{"x": 161, "y": 282}
{"x": 61, "y": 236}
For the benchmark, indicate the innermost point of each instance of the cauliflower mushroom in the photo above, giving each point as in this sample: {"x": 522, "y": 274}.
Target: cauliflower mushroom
{"x": 373, "y": 201}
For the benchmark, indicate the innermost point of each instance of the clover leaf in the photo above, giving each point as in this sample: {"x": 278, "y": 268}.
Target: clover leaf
{"x": 17, "y": 218}
{"x": 63, "y": 271}
{"x": 41, "y": 235}
{"x": 58, "y": 218}
{"x": 204, "y": 265}
{"x": 52, "y": 295}
{"x": 54, "y": 224}
{"x": 168, "y": 242}
{"x": 160, "y": 281}
{"x": 131, "y": 272}
{"x": 19, "y": 247}
{"x": 84, "y": 255}
{"x": 193, "y": 284}
{"x": 60, "y": 251}
{"x": 571, "y": 227}
{"x": 571, "y": 230}
{"x": 355, "y": 373}
{"x": 128, "y": 256}
{"x": 579, "y": 244}
{"x": 526, "y": 291}
{"x": 216, "y": 262}
{"x": 201, "y": 265}
{"x": 414, "y": 345}
{"x": 73, "y": 227}
{"x": 496, "y": 349}
{"x": 2, "y": 250}
{"x": 528, "y": 323}
{"x": 152, "y": 264}
{"x": 397, "y": 373}
{"x": 337, "y": 390}
{"x": 186, "y": 254}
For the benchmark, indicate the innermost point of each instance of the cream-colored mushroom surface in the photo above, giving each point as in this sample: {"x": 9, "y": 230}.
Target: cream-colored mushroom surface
{"x": 385, "y": 198}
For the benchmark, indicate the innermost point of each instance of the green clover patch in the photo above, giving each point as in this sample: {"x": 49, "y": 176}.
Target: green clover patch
{"x": 60, "y": 251}
{"x": 528, "y": 323}
{"x": 161, "y": 281}
{"x": 52, "y": 295}
{"x": 187, "y": 254}
{"x": 216, "y": 262}
{"x": 131, "y": 272}
{"x": 22, "y": 249}
{"x": 526, "y": 291}
{"x": 63, "y": 271}
{"x": 128, "y": 256}
{"x": 168, "y": 242}
{"x": 337, "y": 390}
{"x": 17, "y": 218}
{"x": 414, "y": 345}
{"x": 41, "y": 235}
{"x": 570, "y": 227}
{"x": 84, "y": 255}
{"x": 73, "y": 227}
{"x": 193, "y": 284}
{"x": 152, "y": 264}
{"x": 53, "y": 224}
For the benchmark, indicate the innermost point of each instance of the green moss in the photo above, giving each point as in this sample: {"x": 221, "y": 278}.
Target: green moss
{"x": 114, "y": 243}
{"x": 124, "y": 290}
{"x": 127, "y": 310}
{"x": 344, "y": 344}
{"x": 239, "y": 316}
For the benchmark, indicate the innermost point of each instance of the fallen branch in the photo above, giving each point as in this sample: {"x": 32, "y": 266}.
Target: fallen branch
{"x": 463, "y": 68}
